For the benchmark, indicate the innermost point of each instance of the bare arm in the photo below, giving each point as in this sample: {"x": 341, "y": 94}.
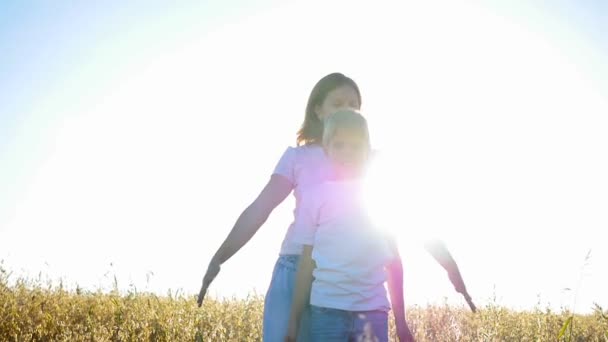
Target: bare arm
{"x": 248, "y": 223}
{"x": 441, "y": 254}
{"x": 252, "y": 218}
{"x": 301, "y": 295}
{"x": 395, "y": 289}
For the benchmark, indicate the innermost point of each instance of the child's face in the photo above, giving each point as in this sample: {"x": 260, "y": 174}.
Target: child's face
{"x": 348, "y": 152}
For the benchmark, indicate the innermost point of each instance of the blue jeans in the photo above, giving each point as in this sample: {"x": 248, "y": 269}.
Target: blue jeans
{"x": 333, "y": 325}
{"x": 277, "y": 304}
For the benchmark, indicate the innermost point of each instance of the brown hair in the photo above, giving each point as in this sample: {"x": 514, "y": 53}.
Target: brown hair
{"x": 311, "y": 131}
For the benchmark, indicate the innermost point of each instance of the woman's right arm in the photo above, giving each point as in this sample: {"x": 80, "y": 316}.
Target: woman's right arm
{"x": 252, "y": 218}
{"x": 248, "y": 223}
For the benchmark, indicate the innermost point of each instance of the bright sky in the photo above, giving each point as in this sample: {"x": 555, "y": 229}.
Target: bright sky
{"x": 132, "y": 136}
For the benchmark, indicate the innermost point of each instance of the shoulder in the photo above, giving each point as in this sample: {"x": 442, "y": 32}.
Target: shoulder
{"x": 308, "y": 150}
{"x": 303, "y": 151}
{"x": 289, "y": 151}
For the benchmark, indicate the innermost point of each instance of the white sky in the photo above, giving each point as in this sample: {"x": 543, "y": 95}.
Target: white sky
{"x": 136, "y": 158}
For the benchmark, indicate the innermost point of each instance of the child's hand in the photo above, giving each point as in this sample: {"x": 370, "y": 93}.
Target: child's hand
{"x": 292, "y": 331}
{"x": 403, "y": 332}
{"x": 291, "y": 337}
{"x": 212, "y": 271}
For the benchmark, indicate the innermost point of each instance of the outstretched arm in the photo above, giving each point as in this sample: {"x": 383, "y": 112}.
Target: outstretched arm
{"x": 248, "y": 223}
{"x": 252, "y": 218}
{"x": 301, "y": 295}
{"x": 441, "y": 254}
{"x": 395, "y": 289}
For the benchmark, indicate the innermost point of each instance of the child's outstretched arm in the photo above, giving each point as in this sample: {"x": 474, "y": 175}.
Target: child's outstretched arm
{"x": 301, "y": 295}
{"x": 441, "y": 254}
{"x": 395, "y": 289}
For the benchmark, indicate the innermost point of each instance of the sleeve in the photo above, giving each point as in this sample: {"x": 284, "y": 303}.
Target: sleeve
{"x": 307, "y": 219}
{"x": 286, "y": 165}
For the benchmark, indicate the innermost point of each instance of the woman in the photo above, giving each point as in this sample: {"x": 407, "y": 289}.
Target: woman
{"x": 299, "y": 168}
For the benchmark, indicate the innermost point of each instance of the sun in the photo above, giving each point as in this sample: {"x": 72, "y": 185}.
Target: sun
{"x": 388, "y": 198}
{"x": 382, "y": 191}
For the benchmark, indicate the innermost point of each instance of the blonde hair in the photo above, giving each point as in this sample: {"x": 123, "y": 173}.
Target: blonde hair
{"x": 347, "y": 119}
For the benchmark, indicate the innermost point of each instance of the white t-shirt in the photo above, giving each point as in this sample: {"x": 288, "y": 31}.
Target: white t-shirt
{"x": 349, "y": 252}
{"x": 305, "y": 167}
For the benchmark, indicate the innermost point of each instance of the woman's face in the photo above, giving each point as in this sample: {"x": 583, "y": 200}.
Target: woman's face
{"x": 341, "y": 98}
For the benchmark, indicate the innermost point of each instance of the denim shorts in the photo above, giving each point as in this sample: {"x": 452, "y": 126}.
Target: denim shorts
{"x": 333, "y": 325}
{"x": 277, "y": 304}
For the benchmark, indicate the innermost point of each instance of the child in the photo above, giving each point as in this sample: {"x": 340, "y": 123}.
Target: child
{"x": 345, "y": 260}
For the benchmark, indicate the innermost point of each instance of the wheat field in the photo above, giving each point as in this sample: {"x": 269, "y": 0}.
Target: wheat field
{"x": 39, "y": 311}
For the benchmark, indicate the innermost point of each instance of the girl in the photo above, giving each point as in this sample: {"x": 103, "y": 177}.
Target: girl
{"x": 342, "y": 249}
{"x": 299, "y": 168}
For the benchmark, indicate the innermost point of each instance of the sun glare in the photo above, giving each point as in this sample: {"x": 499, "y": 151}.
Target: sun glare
{"x": 382, "y": 189}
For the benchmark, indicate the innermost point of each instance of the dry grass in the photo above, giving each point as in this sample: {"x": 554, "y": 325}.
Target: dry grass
{"x": 34, "y": 311}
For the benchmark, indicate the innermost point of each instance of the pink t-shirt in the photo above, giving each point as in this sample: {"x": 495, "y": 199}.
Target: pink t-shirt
{"x": 305, "y": 167}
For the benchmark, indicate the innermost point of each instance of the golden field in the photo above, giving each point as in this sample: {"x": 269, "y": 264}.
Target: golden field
{"x": 37, "y": 311}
